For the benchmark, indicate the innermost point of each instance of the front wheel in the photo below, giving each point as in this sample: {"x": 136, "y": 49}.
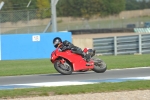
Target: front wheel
{"x": 63, "y": 68}
{"x": 99, "y": 65}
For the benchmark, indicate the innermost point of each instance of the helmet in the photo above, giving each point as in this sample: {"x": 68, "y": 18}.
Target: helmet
{"x": 56, "y": 41}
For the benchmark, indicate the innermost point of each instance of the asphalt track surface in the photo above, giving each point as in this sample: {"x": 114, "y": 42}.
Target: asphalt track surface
{"x": 78, "y": 76}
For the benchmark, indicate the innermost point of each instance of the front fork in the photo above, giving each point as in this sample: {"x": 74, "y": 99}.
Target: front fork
{"x": 63, "y": 64}
{"x": 62, "y": 61}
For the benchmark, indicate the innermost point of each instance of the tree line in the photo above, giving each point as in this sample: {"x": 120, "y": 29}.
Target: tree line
{"x": 87, "y": 8}
{"x": 137, "y": 4}
{"x": 77, "y": 8}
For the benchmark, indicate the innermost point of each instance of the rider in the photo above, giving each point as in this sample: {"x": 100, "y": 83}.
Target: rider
{"x": 66, "y": 45}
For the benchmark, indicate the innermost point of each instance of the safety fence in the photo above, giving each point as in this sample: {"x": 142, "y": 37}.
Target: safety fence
{"x": 135, "y": 44}
{"x": 36, "y": 21}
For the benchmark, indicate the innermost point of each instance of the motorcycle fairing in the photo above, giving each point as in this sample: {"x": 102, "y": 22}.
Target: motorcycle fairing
{"x": 77, "y": 61}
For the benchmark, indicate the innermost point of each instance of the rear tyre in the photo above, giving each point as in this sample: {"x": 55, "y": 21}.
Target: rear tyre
{"x": 65, "y": 69}
{"x": 99, "y": 65}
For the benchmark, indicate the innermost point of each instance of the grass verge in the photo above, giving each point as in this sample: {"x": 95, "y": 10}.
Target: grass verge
{"x": 92, "y": 88}
{"x": 44, "y": 66}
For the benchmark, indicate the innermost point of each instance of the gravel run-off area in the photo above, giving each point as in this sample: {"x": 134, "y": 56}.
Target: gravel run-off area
{"x": 124, "y": 95}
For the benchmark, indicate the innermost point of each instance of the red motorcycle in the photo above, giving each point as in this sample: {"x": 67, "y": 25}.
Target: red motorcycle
{"x": 66, "y": 62}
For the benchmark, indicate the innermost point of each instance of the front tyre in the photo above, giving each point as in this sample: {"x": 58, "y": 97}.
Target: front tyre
{"x": 99, "y": 65}
{"x": 65, "y": 68}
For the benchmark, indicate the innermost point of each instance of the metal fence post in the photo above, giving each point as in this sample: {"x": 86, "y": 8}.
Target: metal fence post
{"x": 115, "y": 45}
{"x": 1, "y": 6}
{"x": 54, "y": 16}
{"x": 28, "y": 21}
{"x": 0, "y": 38}
{"x": 140, "y": 44}
{"x": 0, "y": 24}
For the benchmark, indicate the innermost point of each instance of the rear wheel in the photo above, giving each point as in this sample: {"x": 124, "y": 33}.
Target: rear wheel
{"x": 63, "y": 68}
{"x": 99, "y": 65}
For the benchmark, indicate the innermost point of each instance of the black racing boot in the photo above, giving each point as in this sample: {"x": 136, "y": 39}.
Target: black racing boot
{"x": 87, "y": 58}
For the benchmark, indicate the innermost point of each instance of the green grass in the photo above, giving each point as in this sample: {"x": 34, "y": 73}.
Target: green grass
{"x": 127, "y": 61}
{"x": 26, "y": 67}
{"x": 92, "y": 88}
{"x": 44, "y": 66}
